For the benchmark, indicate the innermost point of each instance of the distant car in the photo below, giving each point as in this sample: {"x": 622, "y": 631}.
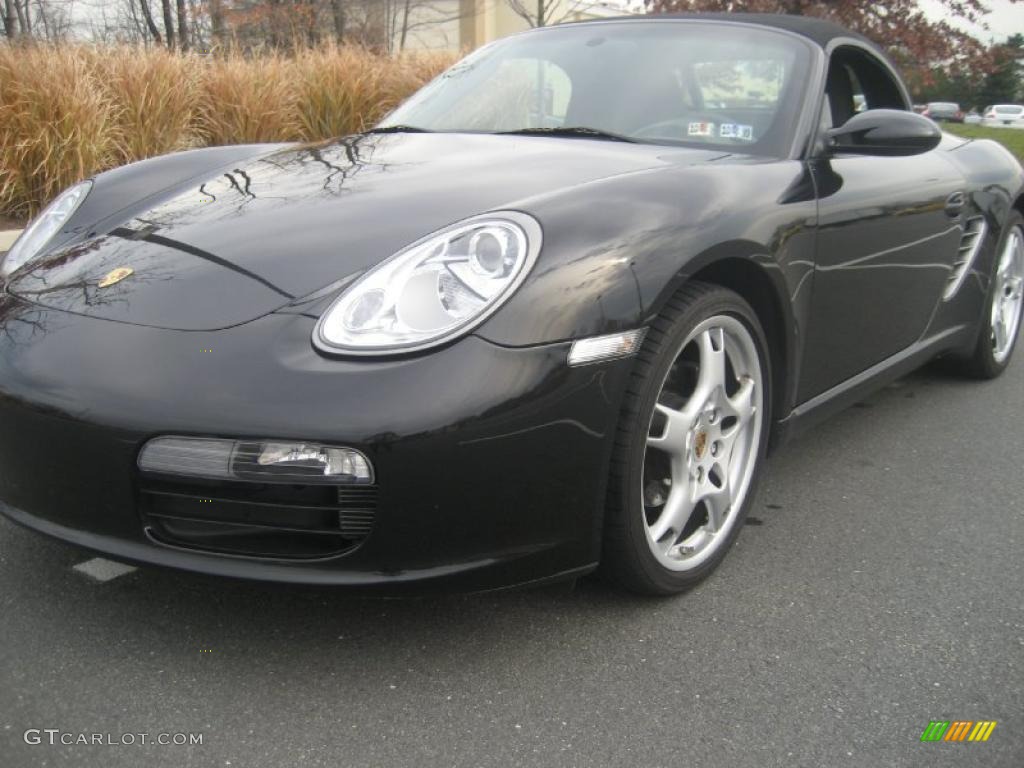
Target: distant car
{"x": 973, "y": 118}
{"x": 467, "y": 348}
{"x": 944, "y": 112}
{"x": 1005, "y": 115}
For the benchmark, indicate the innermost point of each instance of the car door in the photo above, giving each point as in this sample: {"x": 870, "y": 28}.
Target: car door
{"x": 888, "y": 233}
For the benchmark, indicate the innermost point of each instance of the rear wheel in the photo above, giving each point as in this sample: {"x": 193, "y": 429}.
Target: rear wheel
{"x": 1000, "y": 322}
{"x": 690, "y": 443}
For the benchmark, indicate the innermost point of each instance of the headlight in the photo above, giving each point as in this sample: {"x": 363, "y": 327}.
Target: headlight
{"x": 262, "y": 461}
{"x": 435, "y": 289}
{"x": 44, "y": 227}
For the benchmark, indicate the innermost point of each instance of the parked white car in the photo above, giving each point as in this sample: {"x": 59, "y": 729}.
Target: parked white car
{"x": 1004, "y": 116}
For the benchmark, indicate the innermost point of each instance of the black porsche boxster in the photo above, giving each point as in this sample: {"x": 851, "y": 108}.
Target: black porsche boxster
{"x": 547, "y": 317}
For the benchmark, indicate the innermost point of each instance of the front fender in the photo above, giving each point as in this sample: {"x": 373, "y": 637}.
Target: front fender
{"x": 616, "y": 249}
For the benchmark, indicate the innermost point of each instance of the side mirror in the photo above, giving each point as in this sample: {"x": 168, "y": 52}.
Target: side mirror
{"x": 886, "y": 132}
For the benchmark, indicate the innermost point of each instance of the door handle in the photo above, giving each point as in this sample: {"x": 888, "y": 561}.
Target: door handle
{"x": 955, "y": 204}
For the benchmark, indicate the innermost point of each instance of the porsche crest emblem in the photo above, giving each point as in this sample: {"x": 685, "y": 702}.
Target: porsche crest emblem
{"x": 700, "y": 444}
{"x": 116, "y": 276}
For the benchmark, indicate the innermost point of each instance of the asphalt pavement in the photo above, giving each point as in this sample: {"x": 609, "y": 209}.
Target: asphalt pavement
{"x": 878, "y": 587}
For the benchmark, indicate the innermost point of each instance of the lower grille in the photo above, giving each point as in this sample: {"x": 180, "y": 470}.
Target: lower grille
{"x": 256, "y": 519}
{"x": 357, "y": 508}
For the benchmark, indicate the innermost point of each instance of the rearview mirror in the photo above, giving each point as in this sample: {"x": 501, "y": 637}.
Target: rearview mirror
{"x": 889, "y": 132}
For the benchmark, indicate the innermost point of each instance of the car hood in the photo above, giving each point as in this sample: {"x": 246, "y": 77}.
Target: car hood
{"x": 255, "y": 236}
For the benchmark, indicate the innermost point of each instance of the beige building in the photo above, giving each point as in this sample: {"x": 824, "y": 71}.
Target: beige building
{"x": 468, "y": 24}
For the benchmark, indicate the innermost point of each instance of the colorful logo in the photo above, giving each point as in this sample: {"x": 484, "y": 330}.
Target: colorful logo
{"x": 958, "y": 730}
{"x": 116, "y": 276}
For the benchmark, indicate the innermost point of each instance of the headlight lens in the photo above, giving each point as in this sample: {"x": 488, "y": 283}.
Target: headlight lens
{"x": 44, "y": 227}
{"x": 435, "y": 289}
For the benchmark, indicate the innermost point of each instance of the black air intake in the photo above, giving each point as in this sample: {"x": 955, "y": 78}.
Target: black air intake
{"x": 257, "y": 519}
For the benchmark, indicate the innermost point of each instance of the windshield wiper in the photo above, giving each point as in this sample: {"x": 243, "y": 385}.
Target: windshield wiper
{"x": 576, "y": 131}
{"x": 398, "y": 129}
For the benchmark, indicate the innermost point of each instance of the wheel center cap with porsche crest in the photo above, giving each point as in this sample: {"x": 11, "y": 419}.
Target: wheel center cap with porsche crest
{"x": 116, "y": 276}
{"x": 700, "y": 444}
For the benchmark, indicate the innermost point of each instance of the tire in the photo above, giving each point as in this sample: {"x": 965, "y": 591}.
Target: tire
{"x": 671, "y": 515}
{"x": 991, "y": 354}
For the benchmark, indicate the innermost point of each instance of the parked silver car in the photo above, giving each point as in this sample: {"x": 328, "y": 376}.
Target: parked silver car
{"x": 944, "y": 111}
{"x": 1004, "y": 116}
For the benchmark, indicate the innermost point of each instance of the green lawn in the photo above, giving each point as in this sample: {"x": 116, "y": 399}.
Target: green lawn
{"x": 1011, "y": 138}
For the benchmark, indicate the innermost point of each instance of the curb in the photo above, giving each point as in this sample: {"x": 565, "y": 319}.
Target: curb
{"x": 7, "y": 238}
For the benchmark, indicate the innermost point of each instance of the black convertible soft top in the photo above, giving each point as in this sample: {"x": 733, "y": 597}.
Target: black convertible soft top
{"x": 817, "y": 30}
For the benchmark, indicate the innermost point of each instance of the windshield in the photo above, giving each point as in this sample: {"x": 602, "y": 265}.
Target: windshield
{"x": 724, "y": 86}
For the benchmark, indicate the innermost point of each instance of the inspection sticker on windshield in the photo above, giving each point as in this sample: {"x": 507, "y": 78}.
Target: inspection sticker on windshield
{"x": 734, "y": 131}
{"x": 702, "y": 129}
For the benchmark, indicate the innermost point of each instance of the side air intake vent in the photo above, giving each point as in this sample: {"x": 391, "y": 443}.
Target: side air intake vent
{"x": 970, "y": 244}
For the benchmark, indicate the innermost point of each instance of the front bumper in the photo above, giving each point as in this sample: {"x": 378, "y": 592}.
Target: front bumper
{"x": 490, "y": 461}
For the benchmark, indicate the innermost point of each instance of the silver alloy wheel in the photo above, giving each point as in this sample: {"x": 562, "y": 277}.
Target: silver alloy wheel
{"x": 702, "y": 443}
{"x": 1006, "y": 304}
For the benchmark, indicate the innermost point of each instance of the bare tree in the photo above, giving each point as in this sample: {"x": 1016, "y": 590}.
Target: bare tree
{"x": 147, "y": 14}
{"x": 338, "y": 17}
{"x": 406, "y": 8}
{"x": 48, "y": 19}
{"x": 182, "y": 26}
{"x": 168, "y": 23}
{"x": 387, "y": 25}
{"x": 543, "y": 13}
{"x": 23, "y": 23}
{"x": 422, "y": 15}
{"x": 217, "y": 20}
{"x": 10, "y": 19}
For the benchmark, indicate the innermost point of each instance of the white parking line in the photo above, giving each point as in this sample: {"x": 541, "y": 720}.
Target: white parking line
{"x": 104, "y": 570}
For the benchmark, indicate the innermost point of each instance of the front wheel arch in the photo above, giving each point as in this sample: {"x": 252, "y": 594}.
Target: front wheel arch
{"x": 755, "y": 285}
